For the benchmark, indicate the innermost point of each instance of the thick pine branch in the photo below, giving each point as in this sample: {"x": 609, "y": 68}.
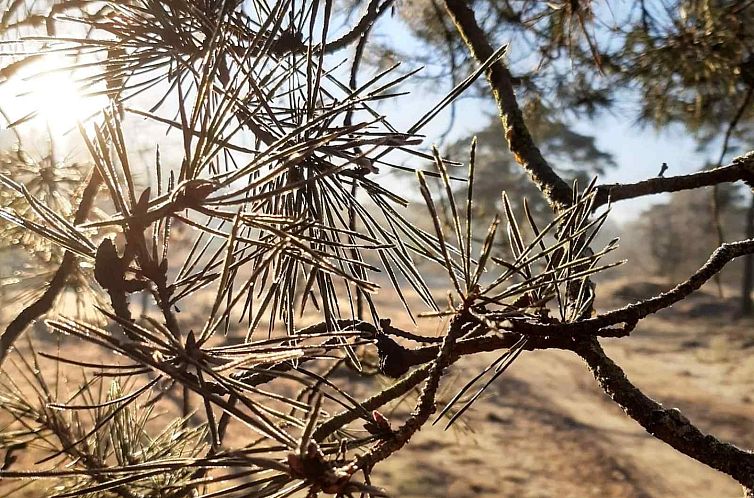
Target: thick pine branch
{"x": 520, "y": 141}
{"x": 668, "y": 425}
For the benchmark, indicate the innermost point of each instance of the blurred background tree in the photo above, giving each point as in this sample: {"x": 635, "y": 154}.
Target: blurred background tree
{"x": 574, "y": 155}
{"x": 660, "y": 64}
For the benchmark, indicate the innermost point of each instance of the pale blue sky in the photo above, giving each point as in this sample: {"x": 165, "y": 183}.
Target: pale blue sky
{"x": 638, "y": 152}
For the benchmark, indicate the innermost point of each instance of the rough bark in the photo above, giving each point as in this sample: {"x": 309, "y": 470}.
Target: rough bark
{"x": 668, "y": 425}
{"x": 520, "y": 141}
{"x": 740, "y": 169}
{"x": 747, "y": 282}
{"x": 45, "y": 302}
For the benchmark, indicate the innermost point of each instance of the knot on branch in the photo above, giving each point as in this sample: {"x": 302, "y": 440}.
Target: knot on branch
{"x": 288, "y": 41}
{"x": 672, "y": 418}
{"x": 110, "y": 270}
{"x": 746, "y": 163}
{"x": 110, "y": 273}
{"x": 311, "y": 466}
{"x": 191, "y": 193}
{"x": 393, "y": 357}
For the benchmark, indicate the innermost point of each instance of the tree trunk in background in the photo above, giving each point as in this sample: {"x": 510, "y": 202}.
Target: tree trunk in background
{"x": 748, "y": 273}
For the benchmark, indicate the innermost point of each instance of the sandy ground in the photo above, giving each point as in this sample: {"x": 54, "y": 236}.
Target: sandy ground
{"x": 544, "y": 429}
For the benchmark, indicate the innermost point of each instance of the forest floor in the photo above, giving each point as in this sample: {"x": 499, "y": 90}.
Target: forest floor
{"x": 545, "y": 429}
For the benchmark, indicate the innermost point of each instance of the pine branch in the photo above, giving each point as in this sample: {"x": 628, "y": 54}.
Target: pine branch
{"x": 425, "y": 407}
{"x": 632, "y": 313}
{"x": 740, "y": 169}
{"x": 520, "y": 141}
{"x": 362, "y": 27}
{"x": 668, "y": 425}
{"x": 45, "y": 302}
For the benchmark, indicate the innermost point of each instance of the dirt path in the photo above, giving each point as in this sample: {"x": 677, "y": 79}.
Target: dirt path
{"x": 516, "y": 442}
{"x": 546, "y": 430}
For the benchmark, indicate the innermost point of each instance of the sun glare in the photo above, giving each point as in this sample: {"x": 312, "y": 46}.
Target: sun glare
{"x": 53, "y": 94}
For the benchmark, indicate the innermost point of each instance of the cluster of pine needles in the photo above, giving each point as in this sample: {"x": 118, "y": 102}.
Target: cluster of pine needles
{"x": 284, "y": 224}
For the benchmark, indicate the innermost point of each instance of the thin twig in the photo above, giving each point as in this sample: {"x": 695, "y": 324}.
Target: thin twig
{"x": 715, "y": 201}
{"x": 425, "y": 407}
{"x": 740, "y": 169}
{"x": 634, "y": 312}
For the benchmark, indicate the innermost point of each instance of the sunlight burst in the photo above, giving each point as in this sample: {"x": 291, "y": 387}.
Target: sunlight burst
{"x": 47, "y": 94}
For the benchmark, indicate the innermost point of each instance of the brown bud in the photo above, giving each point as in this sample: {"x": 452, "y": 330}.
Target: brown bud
{"x": 191, "y": 193}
